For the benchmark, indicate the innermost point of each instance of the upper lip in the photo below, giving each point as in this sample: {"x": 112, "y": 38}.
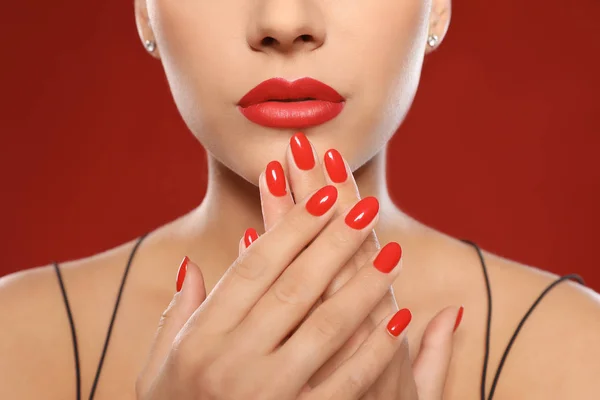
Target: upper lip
{"x": 280, "y": 89}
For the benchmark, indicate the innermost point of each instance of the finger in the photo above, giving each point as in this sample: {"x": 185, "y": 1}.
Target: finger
{"x": 330, "y": 326}
{"x": 249, "y": 237}
{"x": 355, "y": 376}
{"x": 275, "y": 197}
{"x": 338, "y": 173}
{"x": 252, "y": 274}
{"x": 290, "y": 298}
{"x": 304, "y": 170}
{"x": 432, "y": 362}
{"x": 305, "y": 173}
{"x": 183, "y": 305}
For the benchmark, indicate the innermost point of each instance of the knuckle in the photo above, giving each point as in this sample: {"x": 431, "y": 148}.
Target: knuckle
{"x": 374, "y": 286}
{"x": 356, "y": 382}
{"x": 365, "y": 373}
{"x": 371, "y": 358}
{"x": 363, "y": 255}
{"x": 252, "y": 264}
{"x": 290, "y": 291}
{"x": 298, "y": 224}
{"x": 339, "y": 239}
{"x": 328, "y": 324}
{"x": 366, "y": 288}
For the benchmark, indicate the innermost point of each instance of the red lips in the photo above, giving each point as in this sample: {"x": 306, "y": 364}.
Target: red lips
{"x": 279, "y": 103}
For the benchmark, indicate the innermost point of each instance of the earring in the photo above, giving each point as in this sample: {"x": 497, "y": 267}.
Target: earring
{"x": 432, "y": 40}
{"x": 150, "y": 45}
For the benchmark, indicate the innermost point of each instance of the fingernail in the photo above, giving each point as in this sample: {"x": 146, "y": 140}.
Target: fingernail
{"x": 399, "y": 322}
{"x": 388, "y": 257}
{"x": 322, "y": 200}
{"x": 250, "y": 236}
{"x": 336, "y": 169}
{"x": 362, "y": 213}
{"x": 181, "y": 273}
{"x": 302, "y": 151}
{"x": 458, "y": 318}
{"x": 276, "y": 179}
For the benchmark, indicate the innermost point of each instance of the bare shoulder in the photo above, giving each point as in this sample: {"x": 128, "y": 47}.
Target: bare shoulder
{"x": 35, "y": 340}
{"x": 557, "y": 351}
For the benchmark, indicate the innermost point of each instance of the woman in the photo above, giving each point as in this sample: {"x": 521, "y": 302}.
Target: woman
{"x": 363, "y": 60}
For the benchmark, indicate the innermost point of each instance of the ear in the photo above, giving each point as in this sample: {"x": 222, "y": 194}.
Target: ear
{"x": 143, "y": 26}
{"x": 439, "y": 21}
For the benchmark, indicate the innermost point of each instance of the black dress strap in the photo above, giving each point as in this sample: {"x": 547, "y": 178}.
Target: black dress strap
{"x": 110, "y": 326}
{"x": 73, "y": 332}
{"x": 519, "y": 327}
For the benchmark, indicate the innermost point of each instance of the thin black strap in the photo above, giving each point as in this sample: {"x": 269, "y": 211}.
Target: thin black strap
{"x": 73, "y": 333}
{"x": 110, "y": 327}
{"x": 522, "y": 322}
{"x": 114, "y": 316}
{"x": 488, "y": 328}
{"x": 519, "y": 327}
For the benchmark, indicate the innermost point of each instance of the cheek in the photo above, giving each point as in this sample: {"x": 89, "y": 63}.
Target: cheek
{"x": 195, "y": 52}
{"x": 384, "y": 49}
{"x": 394, "y": 47}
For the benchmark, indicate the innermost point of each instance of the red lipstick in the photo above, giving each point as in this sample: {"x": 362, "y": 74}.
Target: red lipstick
{"x": 279, "y": 103}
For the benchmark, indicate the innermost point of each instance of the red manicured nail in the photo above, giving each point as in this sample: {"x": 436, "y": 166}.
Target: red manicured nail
{"x": 181, "y": 273}
{"x": 250, "y": 236}
{"x": 388, "y": 257}
{"x": 302, "y": 151}
{"x": 322, "y": 200}
{"x": 458, "y": 317}
{"x": 276, "y": 179}
{"x": 399, "y": 322}
{"x": 362, "y": 213}
{"x": 334, "y": 163}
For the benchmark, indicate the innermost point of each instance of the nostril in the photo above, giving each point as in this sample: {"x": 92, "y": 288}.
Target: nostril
{"x": 271, "y": 41}
{"x": 268, "y": 41}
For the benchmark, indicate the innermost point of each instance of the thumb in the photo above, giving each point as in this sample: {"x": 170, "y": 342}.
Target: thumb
{"x": 432, "y": 363}
{"x": 181, "y": 308}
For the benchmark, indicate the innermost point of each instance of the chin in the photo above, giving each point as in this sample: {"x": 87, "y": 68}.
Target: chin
{"x": 245, "y": 147}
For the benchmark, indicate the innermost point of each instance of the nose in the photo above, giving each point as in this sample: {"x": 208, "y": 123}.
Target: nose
{"x": 286, "y": 26}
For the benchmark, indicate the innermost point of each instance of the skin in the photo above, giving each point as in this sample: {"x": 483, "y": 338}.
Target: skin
{"x": 376, "y": 66}
{"x": 238, "y": 361}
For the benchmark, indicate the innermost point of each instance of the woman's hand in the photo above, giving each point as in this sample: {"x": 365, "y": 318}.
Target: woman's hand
{"x": 398, "y": 381}
{"x": 251, "y": 337}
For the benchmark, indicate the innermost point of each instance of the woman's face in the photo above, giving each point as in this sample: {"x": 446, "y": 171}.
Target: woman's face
{"x": 215, "y": 51}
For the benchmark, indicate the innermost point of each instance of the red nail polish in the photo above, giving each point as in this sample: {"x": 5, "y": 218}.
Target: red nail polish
{"x": 276, "y": 179}
{"x": 458, "y": 317}
{"x": 302, "y": 151}
{"x": 336, "y": 169}
{"x": 250, "y": 236}
{"x": 322, "y": 200}
{"x": 181, "y": 273}
{"x": 399, "y": 322}
{"x": 388, "y": 257}
{"x": 362, "y": 213}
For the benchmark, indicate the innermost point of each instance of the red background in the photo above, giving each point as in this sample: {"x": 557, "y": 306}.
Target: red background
{"x": 500, "y": 147}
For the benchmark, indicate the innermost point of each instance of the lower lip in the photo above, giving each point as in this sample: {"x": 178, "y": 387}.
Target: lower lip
{"x": 295, "y": 114}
